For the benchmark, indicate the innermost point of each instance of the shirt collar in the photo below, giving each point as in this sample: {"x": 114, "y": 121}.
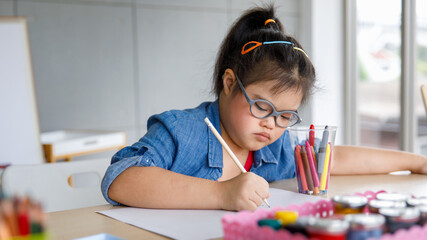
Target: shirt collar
{"x": 264, "y": 155}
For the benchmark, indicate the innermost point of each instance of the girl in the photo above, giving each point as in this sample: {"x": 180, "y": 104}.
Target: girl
{"x": 261, "y": 78}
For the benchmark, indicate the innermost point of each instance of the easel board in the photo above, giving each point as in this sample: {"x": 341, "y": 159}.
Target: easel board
{"x": 19, "y": 122}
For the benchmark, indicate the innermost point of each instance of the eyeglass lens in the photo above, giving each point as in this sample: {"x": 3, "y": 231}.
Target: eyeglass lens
{"x": 262, "y": 109}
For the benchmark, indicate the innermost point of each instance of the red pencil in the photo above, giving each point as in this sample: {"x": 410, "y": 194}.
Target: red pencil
{"x": 311, "y": 136}
{"x": 301, "y": 168}
{"x": 23, "y": 219}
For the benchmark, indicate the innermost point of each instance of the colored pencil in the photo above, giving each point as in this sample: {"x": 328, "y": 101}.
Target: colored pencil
{"x": 325, "y": 169}
{"x": 311, "y": 163}
{"x": 307, "y": 168}
{"x": 298, "y": 176}
{"x": 10, "y": 216}
{"x": 314, "y": 156}
{"x": 21, "y": 218}
{"x": 322, "y": 151}
{"x": 311, "y": 135}
{"x": 301, "y": 168}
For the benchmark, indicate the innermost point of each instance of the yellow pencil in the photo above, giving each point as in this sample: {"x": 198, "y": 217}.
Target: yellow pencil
{"x": 325, "y": 168}
{"x": 227, "y": 148}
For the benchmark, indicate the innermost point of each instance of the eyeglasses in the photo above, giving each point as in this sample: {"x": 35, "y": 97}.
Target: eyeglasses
{"x": 262, "y": 109}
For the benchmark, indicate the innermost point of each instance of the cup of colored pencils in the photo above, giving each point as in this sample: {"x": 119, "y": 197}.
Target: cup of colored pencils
{"x": 313, "y": 148}
{"x": 21, "y": 218}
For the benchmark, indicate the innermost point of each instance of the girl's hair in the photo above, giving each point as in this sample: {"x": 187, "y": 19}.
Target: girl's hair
{"x": 282, "y": 62}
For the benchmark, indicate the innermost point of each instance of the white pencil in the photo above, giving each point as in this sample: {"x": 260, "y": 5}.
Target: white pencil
{"x": 227, "y": 148}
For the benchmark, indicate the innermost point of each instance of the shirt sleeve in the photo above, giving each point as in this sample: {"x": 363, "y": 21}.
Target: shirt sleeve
{"x": 156, "y": 148}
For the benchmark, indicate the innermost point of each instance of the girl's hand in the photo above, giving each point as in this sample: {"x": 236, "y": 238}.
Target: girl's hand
{"x": 244, "y": 192}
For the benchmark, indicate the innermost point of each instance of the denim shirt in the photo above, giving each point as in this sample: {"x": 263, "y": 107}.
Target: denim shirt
{"x": 180, "y": 141}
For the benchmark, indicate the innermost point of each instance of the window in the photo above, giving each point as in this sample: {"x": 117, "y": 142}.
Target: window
{"x": 387, "y": 63}
{"x": 378, "y": 40}
{"x": 421, "y": 72}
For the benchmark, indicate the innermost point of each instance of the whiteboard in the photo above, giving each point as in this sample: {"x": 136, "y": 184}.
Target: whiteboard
{"x": 19, "y": 123}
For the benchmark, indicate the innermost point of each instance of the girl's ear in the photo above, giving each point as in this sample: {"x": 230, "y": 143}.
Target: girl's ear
{"x": 228, "y": 80}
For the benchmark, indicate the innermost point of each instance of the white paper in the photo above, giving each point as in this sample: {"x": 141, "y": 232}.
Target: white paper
{"x": 194, "y": 224}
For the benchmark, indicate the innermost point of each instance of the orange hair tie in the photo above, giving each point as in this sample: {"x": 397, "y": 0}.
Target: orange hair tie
{"x": 269, "y": 21}
{"x": 256, "y": 44}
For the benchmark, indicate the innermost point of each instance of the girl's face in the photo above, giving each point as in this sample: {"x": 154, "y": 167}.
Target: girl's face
{"x": 242, "y": 127}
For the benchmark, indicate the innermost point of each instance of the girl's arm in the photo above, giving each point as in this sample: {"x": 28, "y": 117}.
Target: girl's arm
{"x": 363, "y": 160}
{"x": 154, "y": 187}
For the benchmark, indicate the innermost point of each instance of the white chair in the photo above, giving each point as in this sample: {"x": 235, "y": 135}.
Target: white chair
{"x": 58, "y": 186}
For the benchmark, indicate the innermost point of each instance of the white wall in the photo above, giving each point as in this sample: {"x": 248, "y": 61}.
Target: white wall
{"x": 323, "y": 35}
{"x": 6, "y": 8}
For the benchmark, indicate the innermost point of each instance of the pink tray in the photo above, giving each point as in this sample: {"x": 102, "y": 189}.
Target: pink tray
{"x": 244, "y": 225}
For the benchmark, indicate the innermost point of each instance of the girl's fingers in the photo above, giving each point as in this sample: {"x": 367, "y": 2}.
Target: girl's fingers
{"x": 263, "y": 193}
{"x": 256, "y": 199}
{"x": 252, "y": 206}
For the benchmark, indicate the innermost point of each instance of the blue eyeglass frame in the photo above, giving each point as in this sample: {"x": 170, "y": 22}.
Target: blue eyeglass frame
{"x": 274, "y": 113}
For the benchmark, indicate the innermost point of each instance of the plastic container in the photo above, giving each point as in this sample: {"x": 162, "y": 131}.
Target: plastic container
{"x": 327, "y": 228}
{"x": 393, "y": 196}
{"x": 313, "y": 149}
{"x": 400, "y": 218}
{"x": 375, "y": 204}
{"x": 349, "y": 204}
{"x": 364, "y": 226}
{"x": 414, "y": 202}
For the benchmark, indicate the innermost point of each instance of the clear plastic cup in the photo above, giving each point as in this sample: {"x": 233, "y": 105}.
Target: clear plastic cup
{"x": 313, "y": 150}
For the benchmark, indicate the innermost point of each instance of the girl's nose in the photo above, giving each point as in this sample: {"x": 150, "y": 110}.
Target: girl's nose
{"x": 268, "y": 122}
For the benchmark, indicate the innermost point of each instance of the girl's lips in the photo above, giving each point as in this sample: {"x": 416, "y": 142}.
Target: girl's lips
{"x": 263, "y": 136}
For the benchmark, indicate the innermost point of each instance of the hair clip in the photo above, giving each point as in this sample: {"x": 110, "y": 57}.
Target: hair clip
{"x": 269, "y": 21}
{"x": 299, "y": 49}
{"x": 257, "y": 44}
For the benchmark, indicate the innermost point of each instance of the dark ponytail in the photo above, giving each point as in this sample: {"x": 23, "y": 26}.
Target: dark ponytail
{"x": 280, "y": 62}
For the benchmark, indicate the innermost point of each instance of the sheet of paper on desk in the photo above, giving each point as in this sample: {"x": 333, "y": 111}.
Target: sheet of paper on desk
{"x": 193, "y": 224}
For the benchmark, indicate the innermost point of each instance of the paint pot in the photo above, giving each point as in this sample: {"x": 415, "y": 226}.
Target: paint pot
{"x": 423, "y": 214}
{"x": 270, "y": 222}
{"x": 349, "y": 204}
{"x": 414, "y": 202}
{"x": 397, "y": 218}
{"x": 365, "y": 226}
{"x": 375, "y": 204}
{"x": 393, "y": 197}
{"x": 299, "y": 226}
{"x": 286, "y": 216}
{"x": 327, "y": 228}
